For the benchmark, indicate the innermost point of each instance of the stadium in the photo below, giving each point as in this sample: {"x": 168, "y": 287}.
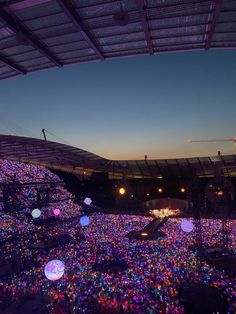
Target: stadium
{"x": 83, "y": 233}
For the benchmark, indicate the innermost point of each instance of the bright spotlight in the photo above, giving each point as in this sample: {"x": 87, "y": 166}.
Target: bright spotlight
{"x": 220, "y": 193}
{"x": 182, "y": 190}
{"x": 160, "y": 190}
{"x": 144, "y": 234}
{"x": 122, "y": 191}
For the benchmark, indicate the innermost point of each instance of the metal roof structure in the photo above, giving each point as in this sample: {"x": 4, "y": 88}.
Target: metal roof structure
{"x": 41, "y": 34}
{"x": 74, "y": 160}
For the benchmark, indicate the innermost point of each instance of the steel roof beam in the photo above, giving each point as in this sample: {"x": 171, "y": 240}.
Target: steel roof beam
{"x": 70, "y": 13}
{"x": 215, "y": 16}
{"x": 24, "y": 4}
{"x": 201, "y": 166}
{"x": 140, "y": 169}
{"x": 159, "y": 168}
{"x": 16, "y": 26}
{"x": 143, "y": 17}
{"x": 11, "y": 64}
{"x": 179, "y": 167}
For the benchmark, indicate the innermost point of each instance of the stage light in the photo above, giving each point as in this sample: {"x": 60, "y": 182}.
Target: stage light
{"x": 220, "y": 193}
{"x": 84, "y": 220}
{"x": 187, "y": 226}
{"x": 165, "y": 212}
{"x": 87, "y": 201}
{"x": 54, "y": 269}
{"x": 144, "y": 234}
{"x": 160, "y": 190}
{"x": 148, "y": 194}
{"x": 182, "y": 190}
{"x": 56, "y": 211}
{"x": 36, "y": 213}
{"x": 122, "y": 191}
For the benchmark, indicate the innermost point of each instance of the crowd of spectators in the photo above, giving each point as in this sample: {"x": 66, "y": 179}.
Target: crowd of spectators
{"x": 30, "y": 185}
{"x": 24, "y": 172}
{"x": 156, "y": 270}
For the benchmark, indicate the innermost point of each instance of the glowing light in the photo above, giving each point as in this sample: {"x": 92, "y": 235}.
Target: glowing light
{"x": 182, "y": 190}
{"x": 144, "y": 234}
{"x": 56, "y": 211}
{"x": 122, "y": 191}
{"x": 84, "y": 220}
{"x": 187, "y": 226}
{"x": 148, "y": 194}
{"x": 220, "y": 193}
{"x": 160, "y": 190}
{"x": 164, "y": 212}
{"x": 54, "y": 269}
{"x": 36, "y": 213}
{"x": 87, "y": 201}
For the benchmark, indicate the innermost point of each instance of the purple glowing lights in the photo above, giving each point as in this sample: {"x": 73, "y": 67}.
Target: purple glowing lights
{"x": 87, "y": 201}
{"x": 56, "y": 211}
{"x": 84, "y": 220}
{"x": 187, "y": 225}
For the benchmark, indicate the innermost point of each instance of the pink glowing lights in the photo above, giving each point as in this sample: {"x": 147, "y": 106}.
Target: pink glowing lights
{"x": 87, "y": 201}
{"x": 56, "y": 211}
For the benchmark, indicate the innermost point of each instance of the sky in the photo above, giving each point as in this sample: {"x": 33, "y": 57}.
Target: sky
{"x": 129, "y": 108}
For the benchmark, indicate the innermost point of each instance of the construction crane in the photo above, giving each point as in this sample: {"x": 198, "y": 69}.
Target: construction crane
{"x": 213, "y": 140}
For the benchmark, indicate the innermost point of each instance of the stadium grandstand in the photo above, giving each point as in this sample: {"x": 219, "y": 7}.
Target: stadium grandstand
{"x": 81, "y": 233}
{"x": 41, "y": 34}
{"x": 160, "y": 261}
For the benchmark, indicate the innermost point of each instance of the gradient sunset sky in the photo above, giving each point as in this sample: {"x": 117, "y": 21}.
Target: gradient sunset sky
{"x": 126, "y": 108}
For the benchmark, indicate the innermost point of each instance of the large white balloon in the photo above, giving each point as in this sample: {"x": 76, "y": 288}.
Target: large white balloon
{"x": 84, "y": 220}
{"x": 54, "y": 269}
{"x": 87, "y": 201}
{"x": 36, "y": 213}
{"x": 187, "y": 225}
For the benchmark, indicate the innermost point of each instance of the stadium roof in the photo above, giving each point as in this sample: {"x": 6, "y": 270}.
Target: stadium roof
{"x": 41, "y": 34}
{"x": 67, "y": 158}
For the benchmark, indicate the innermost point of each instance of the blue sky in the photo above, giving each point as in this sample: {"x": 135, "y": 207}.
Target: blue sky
{"x": 124, "y": 109}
